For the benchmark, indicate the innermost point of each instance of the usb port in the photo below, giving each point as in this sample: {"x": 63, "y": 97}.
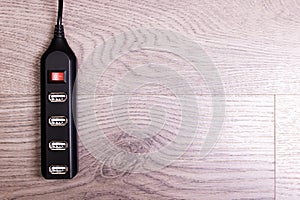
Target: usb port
{"x": 58, "y": 169}
{"x": 58, "y": 145}
{"x": 58, "y": 121}
{"x": 57, "y": 97}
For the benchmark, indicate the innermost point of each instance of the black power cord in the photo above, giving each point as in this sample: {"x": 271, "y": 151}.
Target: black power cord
{"x": 60, "y": 11}
{"x": 59, "y": 28}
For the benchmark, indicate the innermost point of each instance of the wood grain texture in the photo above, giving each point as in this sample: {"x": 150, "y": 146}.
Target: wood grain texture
{"x": 288, "y": 159}
{"x": 255, "y": 47}
{"x": 240, "y": 166}
{"x": 254, "y": 44}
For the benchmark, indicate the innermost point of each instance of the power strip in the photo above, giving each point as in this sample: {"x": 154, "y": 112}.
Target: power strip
{"x": 58, "y": 106}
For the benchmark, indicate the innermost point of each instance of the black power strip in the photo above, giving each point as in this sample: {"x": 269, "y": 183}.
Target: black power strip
{"x": 58, "y": 105}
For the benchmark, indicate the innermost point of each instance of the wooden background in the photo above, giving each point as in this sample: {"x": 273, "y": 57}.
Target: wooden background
{"x": 254, "y": 44}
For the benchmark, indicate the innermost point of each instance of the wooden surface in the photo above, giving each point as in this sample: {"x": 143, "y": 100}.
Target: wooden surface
{"x": 288, "y": 147}
{"x": 254, "y": 45}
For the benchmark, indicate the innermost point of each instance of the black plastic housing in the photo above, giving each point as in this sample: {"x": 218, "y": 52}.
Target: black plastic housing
{"x": 58, "y": 57}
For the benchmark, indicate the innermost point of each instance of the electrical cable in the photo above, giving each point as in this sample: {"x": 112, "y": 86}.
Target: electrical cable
{"x": 59, "y": 28}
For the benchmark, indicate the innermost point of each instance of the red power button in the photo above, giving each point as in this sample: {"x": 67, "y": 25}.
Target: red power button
{"x": 57, "y": 76}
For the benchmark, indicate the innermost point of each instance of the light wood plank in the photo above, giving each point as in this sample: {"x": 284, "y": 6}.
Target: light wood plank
{"x": 288, "y": 149}
{"x": 240, "y": 166}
